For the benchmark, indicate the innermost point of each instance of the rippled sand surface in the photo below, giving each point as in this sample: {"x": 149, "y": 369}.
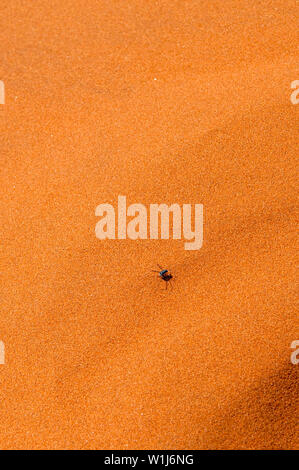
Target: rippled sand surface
{"x": 163, "y": 102}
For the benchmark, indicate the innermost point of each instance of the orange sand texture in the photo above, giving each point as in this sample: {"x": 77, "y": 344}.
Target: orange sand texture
{"x": 162, "y": 101}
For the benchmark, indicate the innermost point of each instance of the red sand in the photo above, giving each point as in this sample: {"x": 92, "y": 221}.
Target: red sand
{"x": 98, "y": 355}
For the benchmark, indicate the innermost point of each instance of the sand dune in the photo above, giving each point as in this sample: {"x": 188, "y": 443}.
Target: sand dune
{"x": 163, "y": 102}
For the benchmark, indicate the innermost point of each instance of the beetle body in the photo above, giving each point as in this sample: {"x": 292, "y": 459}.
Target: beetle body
{"x": 164, "y": 274}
